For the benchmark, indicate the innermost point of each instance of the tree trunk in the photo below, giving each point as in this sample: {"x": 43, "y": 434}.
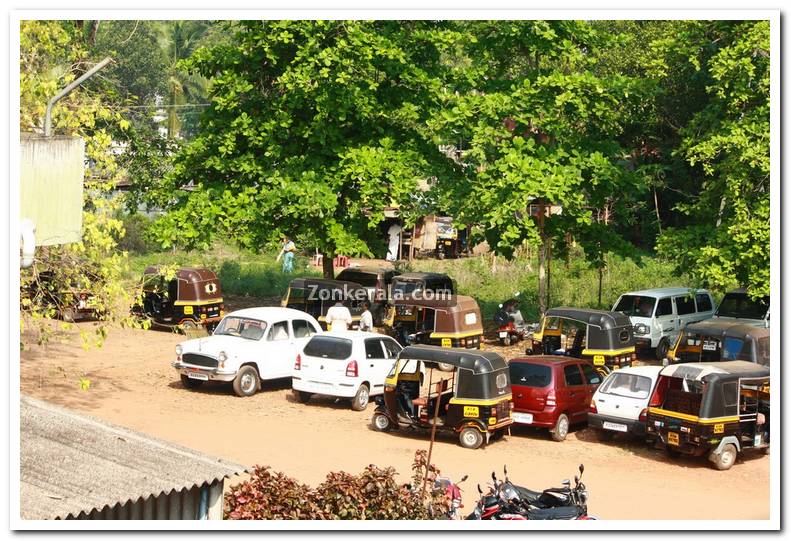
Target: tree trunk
{"x": 326, "y": 266}
{"x": 542, "y": 277}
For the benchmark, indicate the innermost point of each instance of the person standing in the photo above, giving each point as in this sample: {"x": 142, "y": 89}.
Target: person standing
{"x": 394, "y": 232}
{"x": 366, "y": 318}
{"x": 287, "y": 253}
{"x": 338, "y": 317}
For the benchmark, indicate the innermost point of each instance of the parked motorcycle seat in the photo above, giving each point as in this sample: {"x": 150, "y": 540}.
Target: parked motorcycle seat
{"x": 569, "y": 512}
{"x": 526, "y": 494}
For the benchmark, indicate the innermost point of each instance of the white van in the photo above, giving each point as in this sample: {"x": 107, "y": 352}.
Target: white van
{"x": 620, "y": 404}
{"x": 344, "y": 364}
{"x": 658, "y": 315}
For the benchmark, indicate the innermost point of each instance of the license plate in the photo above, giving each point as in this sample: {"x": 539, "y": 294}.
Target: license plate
{"x": 672, "y": 438}
{"x": 709, "y": 345}
{"x": 614, "y": 426}
{"x": 598, "y": 360}
{"x": 198, "y": 375}
{"x": 503, "y": 334}
{"x": 524, "y": 418}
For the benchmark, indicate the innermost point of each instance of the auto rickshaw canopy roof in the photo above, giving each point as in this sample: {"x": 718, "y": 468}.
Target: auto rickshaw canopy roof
{"x": 454, "y": 314}
{"x": 195, "y": 284}
{"x": 476, "y": 361}
{"x": 188, "y": 274}
{"x": 322, "y": 284}
{"x": 598, "y": 318}
{"x": 717, "y": 371}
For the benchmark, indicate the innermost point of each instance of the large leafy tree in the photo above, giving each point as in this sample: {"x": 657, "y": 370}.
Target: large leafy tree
{"x": 314, "y": 127}
{"x": 534, "y": 123}
{"x": 724, "y": 238}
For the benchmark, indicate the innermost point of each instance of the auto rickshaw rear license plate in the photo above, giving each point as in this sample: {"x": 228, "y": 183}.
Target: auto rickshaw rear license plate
{"x": 672, "y": 438}
{"x": 446, "y": 343}
{"x": 598, "y": 360}
{"x": 471, "y": 411}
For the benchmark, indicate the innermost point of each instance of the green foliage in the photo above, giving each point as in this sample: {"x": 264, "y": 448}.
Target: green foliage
{"x": 725, "y": 241}
{"x": 314, "y": 127}
{"x": 374, "y": 494}
{"x": 53, "y": 53}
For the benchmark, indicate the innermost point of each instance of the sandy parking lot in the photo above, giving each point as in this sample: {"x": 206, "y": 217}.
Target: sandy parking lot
{"x": 132, "y": 384}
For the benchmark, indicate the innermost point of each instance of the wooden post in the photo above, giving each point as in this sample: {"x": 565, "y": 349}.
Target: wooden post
{"x": 433, "y": 431}
{"x": 412, "y": 243}
{"x": 542, "y": 263}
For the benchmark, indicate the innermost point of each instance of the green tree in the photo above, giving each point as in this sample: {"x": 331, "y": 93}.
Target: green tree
{"x": 314, "y": 127}
{"x": 53, "y": 53}
{"x": 724, "y": 240}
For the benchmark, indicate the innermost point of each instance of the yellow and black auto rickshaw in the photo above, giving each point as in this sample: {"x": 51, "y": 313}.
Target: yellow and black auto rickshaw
{"x": 190, "y": 299}
{"x": 720, "y": 409}
{"x": 721, "y": 340}
{"x": 448, "y": 322}
{"x": 604, "y": 338}
{"x": 316, "y": 295}
{"x": 474, "y": 401}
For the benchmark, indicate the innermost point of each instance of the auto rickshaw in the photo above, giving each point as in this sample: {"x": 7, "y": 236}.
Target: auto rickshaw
{"x": 377, "y": 281}
{"x": 473, "y": 402}
{"x": 191, "y": 299}
{"x": 721, "y": 340}
{"x": 451, "y": 322}
{"x": 448, "y": 242}
{"x": 316, "y": 295}
{"x": 604, "y": 338}
{"x": 719, "y": 408}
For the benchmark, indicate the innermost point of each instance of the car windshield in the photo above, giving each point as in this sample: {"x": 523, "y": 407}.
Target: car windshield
{"x": 244, "y": 327}
{"x": 636, "y": 305}
{"x": 742, "y": 306}
{"x": 627, "y": 385}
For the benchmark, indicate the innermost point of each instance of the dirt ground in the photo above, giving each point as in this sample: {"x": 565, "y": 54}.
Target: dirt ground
{"x": 132, "y": 384}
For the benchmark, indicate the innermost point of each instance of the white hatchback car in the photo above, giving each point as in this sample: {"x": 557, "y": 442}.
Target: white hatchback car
{"x": 247, "y": 346}
{"x": 620, "y": 404}
{"x": 346, "y": 364}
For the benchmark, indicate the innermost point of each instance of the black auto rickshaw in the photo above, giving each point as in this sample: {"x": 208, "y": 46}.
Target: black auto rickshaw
{"x": 377, "y": 281}
{"x": 473, "y": 402}
{"x": 192, "y": 298}
{"x": 447, "y": 322}
{"x": 721, "y": 340}
{"x": 316, "y": 295}
{"x": 720, "y": 409}
{"x": 604, "y": 338}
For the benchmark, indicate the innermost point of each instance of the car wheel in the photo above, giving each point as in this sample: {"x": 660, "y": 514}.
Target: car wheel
{"x": 662, "y": 348}
{"x": 471, "y": 438}
{"x": 380, "y": 422}
{"x": 725, "y": 459}
{"x": 303, "y": 397}
{"x": 190, "y": 383}
{"x": 246, "y": 382}
{"x": 360, "y": 399}
{"x": 445, "y": 367}
{"x": 561, "y": 429}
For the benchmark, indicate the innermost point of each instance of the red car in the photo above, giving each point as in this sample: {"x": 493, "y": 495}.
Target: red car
{"x": 552, "y": 391}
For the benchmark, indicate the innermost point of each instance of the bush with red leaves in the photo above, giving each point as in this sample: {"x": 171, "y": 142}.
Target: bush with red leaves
{"x": 372, "y": 495}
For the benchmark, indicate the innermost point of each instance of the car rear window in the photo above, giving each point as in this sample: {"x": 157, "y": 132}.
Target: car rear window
{"x": 329, "y": 347}
{"x": 530, "y": 375}
{"x": 628, "y": 385}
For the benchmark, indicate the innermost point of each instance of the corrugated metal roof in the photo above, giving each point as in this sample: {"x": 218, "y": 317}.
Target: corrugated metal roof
{"x": 72, "y": 463}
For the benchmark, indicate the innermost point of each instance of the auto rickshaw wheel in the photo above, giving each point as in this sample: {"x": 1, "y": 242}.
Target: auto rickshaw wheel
{"x": 360, "y": 399}
{"x": 381, "y": 422}
{"x": 190, "y": 383}
{"x": 471, "y": 438}
{"x": 662, "y": 348}
{"x": 246, "y": 382}
{"x": 726, "y": 458}
{"x": 188, "y": 325}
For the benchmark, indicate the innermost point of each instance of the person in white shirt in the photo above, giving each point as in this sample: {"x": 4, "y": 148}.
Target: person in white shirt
{"x": 338, "y": 317}
{"x": 366, "y": 318}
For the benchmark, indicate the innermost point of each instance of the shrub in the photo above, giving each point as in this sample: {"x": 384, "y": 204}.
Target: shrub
{"x": 372, "y": 495}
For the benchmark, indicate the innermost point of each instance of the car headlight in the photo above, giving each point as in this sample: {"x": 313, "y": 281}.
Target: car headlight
{"x": 222, "y": 357}
{"x": 178, "y": 349}
{"x": 641, "y": 328}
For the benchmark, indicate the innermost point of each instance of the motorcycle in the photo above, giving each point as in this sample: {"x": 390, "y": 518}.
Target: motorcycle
{"x": 507, "y": 501}
{"x": 511, "y": 325}
{"x": 453, "y": 492}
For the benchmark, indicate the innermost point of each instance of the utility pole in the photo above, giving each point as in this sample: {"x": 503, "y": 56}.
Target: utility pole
{"x": 63, "y": 93}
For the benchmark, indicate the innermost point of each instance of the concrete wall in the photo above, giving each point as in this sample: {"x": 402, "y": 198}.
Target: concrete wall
{"x": 52, "y": 170}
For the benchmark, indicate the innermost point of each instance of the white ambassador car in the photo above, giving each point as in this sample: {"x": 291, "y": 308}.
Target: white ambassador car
{"x": 247, "y": 346}
{"x": 344, "y": 364}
